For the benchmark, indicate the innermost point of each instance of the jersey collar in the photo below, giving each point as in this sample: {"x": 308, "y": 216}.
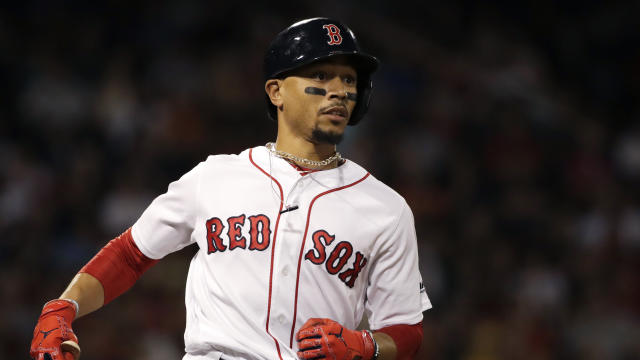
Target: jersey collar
{"x": 280, "y": 168}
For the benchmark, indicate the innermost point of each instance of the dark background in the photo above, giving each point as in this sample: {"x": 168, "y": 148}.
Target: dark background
{"x": 510, "y": 127}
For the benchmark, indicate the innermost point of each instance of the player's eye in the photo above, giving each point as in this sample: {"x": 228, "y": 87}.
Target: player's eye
{"x": 349, "y": 80}
{"x": 319, "y": 75}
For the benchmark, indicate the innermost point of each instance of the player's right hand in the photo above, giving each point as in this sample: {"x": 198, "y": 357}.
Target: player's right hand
{"x": 327, "y": 339}
{"x": 53, "y": 338}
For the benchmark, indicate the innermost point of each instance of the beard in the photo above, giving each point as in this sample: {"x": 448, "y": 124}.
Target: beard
{"x": 326, "y": 137}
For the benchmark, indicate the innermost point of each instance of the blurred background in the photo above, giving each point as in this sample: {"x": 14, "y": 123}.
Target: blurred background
{"x": 510, "y": 127}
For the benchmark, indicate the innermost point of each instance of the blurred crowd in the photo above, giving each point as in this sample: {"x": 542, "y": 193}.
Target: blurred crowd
{"x": 512, "y": 131}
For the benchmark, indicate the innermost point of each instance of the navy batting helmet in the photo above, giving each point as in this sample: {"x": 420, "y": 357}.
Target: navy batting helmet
{"x": 317, "y": 39}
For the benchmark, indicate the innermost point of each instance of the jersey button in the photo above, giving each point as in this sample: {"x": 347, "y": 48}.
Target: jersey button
{"x": 281, "y": 319}
{"x": 285, "y": 272}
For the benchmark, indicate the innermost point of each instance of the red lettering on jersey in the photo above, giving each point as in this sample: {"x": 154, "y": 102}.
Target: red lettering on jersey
{"x": 214, "y": 242}
{"x": 259, "y": 229}
{"x": 352, "y": 274}
{"x": 338, "y": 255}
{"x": 319, "y": 247}
{"x": 235, "y": 232}
{"x": 338, "y": 258}
{"x": 334, "y": 34}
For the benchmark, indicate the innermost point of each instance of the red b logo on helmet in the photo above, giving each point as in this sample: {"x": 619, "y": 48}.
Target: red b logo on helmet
{"x": 334, "y": 34}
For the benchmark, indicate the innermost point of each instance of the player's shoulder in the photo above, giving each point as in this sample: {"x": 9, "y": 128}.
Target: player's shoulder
{"x": 217, "y": 164}
{"x": 215, "y": 160}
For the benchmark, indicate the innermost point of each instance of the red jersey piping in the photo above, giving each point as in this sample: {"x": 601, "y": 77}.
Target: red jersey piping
{"x": 304, "y": 238}
{"x": 273, "y": 247}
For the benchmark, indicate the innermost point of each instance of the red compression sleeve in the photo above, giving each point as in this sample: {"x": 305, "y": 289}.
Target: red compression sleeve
{"x": 407, "y": 338}
{"x": 118, "y": 266}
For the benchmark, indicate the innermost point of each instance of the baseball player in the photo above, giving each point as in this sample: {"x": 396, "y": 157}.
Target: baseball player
{"x": 295, "y": 242}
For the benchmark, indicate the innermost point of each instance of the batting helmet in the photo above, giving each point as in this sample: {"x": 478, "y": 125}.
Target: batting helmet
{"x": 317, "y": 39}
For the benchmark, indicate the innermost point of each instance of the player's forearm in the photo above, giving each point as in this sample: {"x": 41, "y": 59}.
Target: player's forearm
{"x": 399, "y": 342}
{"x": 386, "y": 346}
{"x": 87, "y": 291}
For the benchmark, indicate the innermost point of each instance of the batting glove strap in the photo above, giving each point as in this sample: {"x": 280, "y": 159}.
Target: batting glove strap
{"x": 75, "y": 305}
{"x": 376, "y": 349}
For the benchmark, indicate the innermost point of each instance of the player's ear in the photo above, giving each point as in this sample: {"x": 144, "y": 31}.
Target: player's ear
{"x": 273, "y": 87}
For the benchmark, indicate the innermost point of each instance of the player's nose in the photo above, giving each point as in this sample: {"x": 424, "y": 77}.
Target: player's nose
{"x": 336, "y": 88}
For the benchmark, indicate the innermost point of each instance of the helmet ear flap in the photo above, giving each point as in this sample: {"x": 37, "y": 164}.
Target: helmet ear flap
{"x": 364, "y": 99}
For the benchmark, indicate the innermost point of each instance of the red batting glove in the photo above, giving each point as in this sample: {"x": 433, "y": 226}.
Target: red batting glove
{"x": 53, "y": 338}
{"x": 326, "y": 339}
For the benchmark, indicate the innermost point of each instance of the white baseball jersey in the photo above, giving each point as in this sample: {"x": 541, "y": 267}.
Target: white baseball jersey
{"x": 277, "y": 248}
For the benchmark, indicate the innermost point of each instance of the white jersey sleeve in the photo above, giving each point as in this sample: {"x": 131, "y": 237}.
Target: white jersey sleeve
{"x": 395, "y": 294}
{"x": 167, "y": 224}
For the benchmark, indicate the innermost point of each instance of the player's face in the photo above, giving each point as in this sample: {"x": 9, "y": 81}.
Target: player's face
{"x": 318, "y": 100}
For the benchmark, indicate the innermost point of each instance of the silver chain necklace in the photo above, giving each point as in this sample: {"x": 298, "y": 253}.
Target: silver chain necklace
{"x": 335, "y": 157}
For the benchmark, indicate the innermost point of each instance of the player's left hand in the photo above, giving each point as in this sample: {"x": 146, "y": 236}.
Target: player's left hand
{"x": 327, "y": 339}
{"x": 53, "y": 338}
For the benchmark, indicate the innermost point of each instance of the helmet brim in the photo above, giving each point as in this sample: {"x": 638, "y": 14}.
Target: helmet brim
{"x": 364, "y": 64}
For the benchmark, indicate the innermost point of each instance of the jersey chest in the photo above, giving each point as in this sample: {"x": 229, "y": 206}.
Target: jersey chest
{"x": 288, "y": 225}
